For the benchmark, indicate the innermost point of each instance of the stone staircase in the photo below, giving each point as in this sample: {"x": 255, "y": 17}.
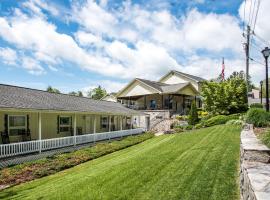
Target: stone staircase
{"x": 163, "y": 126}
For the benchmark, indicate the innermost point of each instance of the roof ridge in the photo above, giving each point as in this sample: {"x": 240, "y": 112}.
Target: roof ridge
{"x": 21, "y": 87}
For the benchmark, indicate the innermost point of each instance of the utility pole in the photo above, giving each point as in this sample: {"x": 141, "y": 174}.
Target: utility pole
{"x": 247, "y": 57}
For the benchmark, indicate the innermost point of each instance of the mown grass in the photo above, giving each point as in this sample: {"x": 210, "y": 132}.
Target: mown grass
{"x": 44, "y": 167}
{"x": 200, "y": 164}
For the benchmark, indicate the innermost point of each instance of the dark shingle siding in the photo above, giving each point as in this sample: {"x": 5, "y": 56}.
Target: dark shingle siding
{"x": 25, "y": 98}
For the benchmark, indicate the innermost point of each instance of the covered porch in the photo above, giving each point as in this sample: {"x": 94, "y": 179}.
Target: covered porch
{"x": 175, "y": 103}
{"x": 24, "y": 132}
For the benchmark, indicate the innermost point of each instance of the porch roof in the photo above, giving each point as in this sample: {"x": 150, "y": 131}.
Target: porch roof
{"x": 14, "y": 97}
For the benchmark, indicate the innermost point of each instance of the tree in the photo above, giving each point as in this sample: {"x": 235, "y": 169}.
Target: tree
{"x": 78, "y": 94}
{"x": 193, "y": 114}
{"x": 226, "y": 97}
{"x": 97, "y": 93}
{"x": 52, "y": 90}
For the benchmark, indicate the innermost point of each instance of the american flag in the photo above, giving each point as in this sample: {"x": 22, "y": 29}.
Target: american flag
{"x": 223, "y": 70}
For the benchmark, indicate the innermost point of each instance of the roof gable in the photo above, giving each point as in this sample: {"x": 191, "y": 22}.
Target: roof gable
{"x": 182, "y": 76}
{"x": 139, "y": 87}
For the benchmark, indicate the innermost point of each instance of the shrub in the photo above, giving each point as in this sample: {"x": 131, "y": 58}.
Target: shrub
{"x": 178, "y": 130}
{"x": 216, "y": 120}
{"x": 181, "y": 117}
{"x": 188, "y": 127}
{"x": 257, "y": 116}
{"x": 193, "y": 114}
{"x": 266, "y": 138}
{"x": 256, "y": 105}
{"x": 235, "y": 122}
{"x": 198, "y": 126}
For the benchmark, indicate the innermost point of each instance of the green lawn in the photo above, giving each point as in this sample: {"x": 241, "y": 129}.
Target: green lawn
{"x": 201, "y": 164}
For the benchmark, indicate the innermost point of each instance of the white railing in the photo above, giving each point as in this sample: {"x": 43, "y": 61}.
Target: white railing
{"x": 14, "y": 149}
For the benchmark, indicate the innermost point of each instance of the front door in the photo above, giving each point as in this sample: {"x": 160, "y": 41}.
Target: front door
{"x": 88, "y": 124}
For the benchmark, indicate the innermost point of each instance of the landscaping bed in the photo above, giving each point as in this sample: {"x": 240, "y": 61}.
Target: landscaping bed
{"x": 32, "y": 170}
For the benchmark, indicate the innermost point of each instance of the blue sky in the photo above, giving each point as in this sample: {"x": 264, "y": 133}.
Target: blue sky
{"x": 77, "y": 45}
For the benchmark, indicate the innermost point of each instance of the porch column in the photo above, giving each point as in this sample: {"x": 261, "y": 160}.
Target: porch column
{"x": 75, "y": 129}
{"x": 39, "y": 132}
{"x": 145, "y": 107}
{"x": 162, "y": 102}
{"x": 110, "y": 123}
{"x": 121, "y": 123}
{"x": 131, "y": 122}
{"x": 95, "y": 123}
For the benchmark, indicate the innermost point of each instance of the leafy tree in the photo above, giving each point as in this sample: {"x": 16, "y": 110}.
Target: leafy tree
{"x": 226, "y": 97}
{"x": 97, "y": 93}
{"x": 193, "y": 114}
{"x": 79, "y": 93}
{"x": 52, "y": 90}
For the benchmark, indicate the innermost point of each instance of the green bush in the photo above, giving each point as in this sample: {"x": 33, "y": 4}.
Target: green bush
{"x": 220, "y": 119}
{"x": 266, "y": 138}
{"x": 193, "y": 117}
{"x": 188, "y": 127}
{"x": 235, "y": 122}
{"x": 256, "y": 105}
{"x": 258, "y": 117}
{"x": 198, "y": 126}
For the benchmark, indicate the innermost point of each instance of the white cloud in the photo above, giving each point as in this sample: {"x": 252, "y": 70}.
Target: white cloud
{"x": 93, "y": 17}
{"x": 32, "y": 66}
{"x": 88, "y": 39}
{"x": 8, "y": 56}
{"x": 36, "y": 7}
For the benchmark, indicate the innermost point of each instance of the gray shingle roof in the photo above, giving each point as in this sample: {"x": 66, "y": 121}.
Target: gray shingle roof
{"x": 26, "y": 98}
{"x": 153, "y": 84}
{"x": 196, "y": 78}
{"x": 163, "y": 87}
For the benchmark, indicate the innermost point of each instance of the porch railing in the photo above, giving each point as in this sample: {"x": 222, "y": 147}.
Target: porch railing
{"x": 15, "y": 149}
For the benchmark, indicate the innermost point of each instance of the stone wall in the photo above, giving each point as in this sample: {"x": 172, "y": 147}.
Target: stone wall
{"x": 255, "y": 168}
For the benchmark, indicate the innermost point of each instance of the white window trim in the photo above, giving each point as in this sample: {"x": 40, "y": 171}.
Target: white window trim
{"x": 64, "y": 125}
{"x": 16, "y": 127}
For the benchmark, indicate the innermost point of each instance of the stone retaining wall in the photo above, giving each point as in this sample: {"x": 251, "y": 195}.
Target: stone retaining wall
{"x": 255, "y": 168}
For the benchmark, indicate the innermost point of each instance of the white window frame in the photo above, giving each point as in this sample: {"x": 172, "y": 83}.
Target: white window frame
{"x": 65, "y": 125}
{"x": 17, "y": 127}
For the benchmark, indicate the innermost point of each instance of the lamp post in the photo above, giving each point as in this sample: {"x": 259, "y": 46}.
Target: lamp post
{"x": 261, "y": 83}
{"x": 266, "y": 53}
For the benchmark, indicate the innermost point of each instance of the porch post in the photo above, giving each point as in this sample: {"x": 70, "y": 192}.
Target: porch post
{"x": 162, "y": 102}
{"x": 145, "y": 107}
{"x": 131, "y": 122}
{"x": 110, "y": 123}
{"x": 95, "y": 123}
{"x": 39, "y": 132}
{"x": 75, "y": 129}
{"x": 121, "y": 123}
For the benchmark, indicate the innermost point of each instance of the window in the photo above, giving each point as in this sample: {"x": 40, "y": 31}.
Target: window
{"x": 17, "y": 124}
{"x": 104, "y": 122}
{"x": 152, "y": 104}
{"x": 64, "y": 124}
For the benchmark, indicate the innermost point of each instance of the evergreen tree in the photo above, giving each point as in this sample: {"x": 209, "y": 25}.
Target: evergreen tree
{"x": 193, "y": 114}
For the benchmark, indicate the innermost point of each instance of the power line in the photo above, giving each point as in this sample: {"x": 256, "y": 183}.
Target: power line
{"x": 258, "y": 7}
{"x": 244, "y": 16}
{"x": 261, "y": 39}
{"x": 258, "y": 62}
{"x": 250, "y": 11}
{"x": 253, "y": 10}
